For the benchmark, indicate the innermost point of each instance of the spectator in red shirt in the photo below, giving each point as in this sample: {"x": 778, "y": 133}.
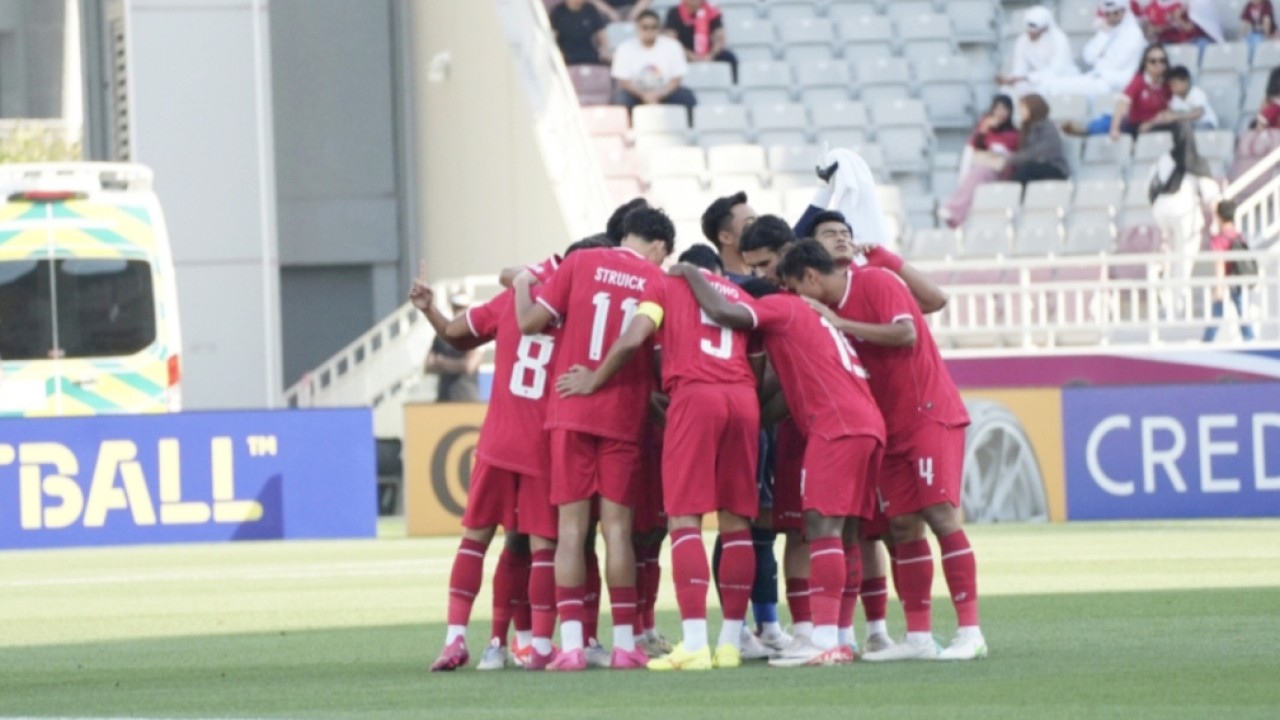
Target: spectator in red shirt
{"x": 1269, "y": 114}
{"x": 699, "y": 27}
{"x": 1178, "y": 21}
{"x": 1222, "y": 242}
{"x": 1146, "y": 96}
{"x": 993, "y": 141}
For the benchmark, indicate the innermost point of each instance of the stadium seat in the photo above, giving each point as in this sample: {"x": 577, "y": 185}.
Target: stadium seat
{"x": 1073, "y": 147}
{"x": 1187, "y": 56}
{"x": 1068, "y": 107}
{"x": 1228, "y": 56}
{"x": 659, "y": 119}
{"x": 1255, "y": 94}
{"x": 1092, "y": 235}
{"x": 973, "y": 21}
{"x": 1135, "y": 194}
{"x": 839, "y": 10}
{"x": 796, "y": 200}
{"x": 622, "y": 189}
{"x": 674, "y": 162}
{"x": 617, "y": 33}
{"x": 903, "y": 131}
{"x": 782, "y": 11}
{"x": 1047, "y": 196}
{"x": 607, "y": 120}
{"x": 884, "y": 78}
{"x": 925, "y": 35}
{"x": 1104, "y": 157}
{"x": 1037, "y": 234}
{"x": 866, "y": 36}
{"x": 945, "y": 88}
{"x": 766, "y": 201}
{"x": 794, "y": 159}
{"x": 1074, "y": 17}
{"x": 650, "y": 141}
{"x": 901, "y": 9}
{"x": 780, "y": 124}
{"x": 605, "y": 144}
{"x": 735, "y": 15}
{"x": 839, "y": 115}
{"x": 617, "y": 163}
{"x": 1002, "y": 198}
{"x": 720, "y": 124}
{"x": 807, "y": 38}
{"x": 764, "y": 82}
{"x": 736, "y": 159}
{"x": 1223, "y": 90}
{"x": 823, "y": 80}
{"x": 985, "y": 235}
{"x": 873, "y": 156}
{"x": 1150, "y": 146}
{"x": 681, "y": 197}
{"x": 1104, "y": 194}
{"x": 592, "y": 83}
{"x": 752, "y": 39}
{"x": 722, "y": 185}
{"x": 1267, "y": 55}
{"x": 1218, "y": 147}
{"x": 933, "y": 244}
{"x": 712, "y": 82}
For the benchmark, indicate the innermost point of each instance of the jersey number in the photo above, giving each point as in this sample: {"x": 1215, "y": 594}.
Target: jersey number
{"x": 529, "y": 374}
{"x": 847, "y": 353}
{"x": 603, "y": 302}
{"x": 926, "y": 470}
{"x": 722, "y": 350}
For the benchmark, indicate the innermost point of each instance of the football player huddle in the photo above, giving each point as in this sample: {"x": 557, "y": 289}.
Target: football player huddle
{"x": 782, "y": 385}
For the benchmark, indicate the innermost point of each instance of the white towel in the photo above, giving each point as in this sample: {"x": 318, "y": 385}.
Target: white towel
{"x": 854, "y": 195}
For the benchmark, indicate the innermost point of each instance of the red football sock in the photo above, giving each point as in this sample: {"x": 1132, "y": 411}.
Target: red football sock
{"x": 691, "y": 572}
{"x": 852, "y": 584}
{"x": 653, "y": 584}
{"x": 827, "y": 571}
{"x": 961, "y": 570}
{"x": 737, "y": 573}
{"x": 642, "y": 588}
{"x": 798, "y": 600}
{"x": 875, "y": 598}
{"x": 622, "y": 606}
{"x": 503, "y": 586}
{"x": 542, "y": 593}
{"x": 464, "y": 580}
{"x": 591, "y": 598}
{"x": 914, "y": 566}
{"x": 569, "y": 603}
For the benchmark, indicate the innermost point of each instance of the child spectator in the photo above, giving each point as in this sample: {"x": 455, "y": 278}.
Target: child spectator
{"x": 993, "y": 141}
{"x": 1258, "y": 23}
{"x": 1189, "y": 102}
{"x": 1222, "y": 242}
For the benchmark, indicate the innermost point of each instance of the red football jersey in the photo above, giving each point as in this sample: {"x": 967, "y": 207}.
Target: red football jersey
{"x": 695, "y": 349}
{"x": 823, "y": 381}
{"x": 911, "y": 384}
{"x": 512, "y": 437}
{"x": 595, "y": 293}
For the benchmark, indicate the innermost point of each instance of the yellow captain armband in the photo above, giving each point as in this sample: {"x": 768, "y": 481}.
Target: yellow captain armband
{"x": 653, "y": 311}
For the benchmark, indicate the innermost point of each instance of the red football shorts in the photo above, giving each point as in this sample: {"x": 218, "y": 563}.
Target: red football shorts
{"x": 836, "y": 475}
{"x": 788, "y": 463}
{"x": 513, "y": 500}
{"x": 583, "y": 466}
{"x": 649, "y": 515}
{"x": 923, "y": 467}
{"x": 710, "y": 450}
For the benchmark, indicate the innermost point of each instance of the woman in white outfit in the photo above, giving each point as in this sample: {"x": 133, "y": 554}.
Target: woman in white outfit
{"x": 1041, "y": 53}
{"x": 1110, "y": 55}
{"x": 1181, "y": 189}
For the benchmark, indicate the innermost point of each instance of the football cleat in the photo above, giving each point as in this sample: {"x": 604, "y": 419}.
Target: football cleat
{"x": 568, "y": 661}
{"x": 727, "y": 656}
{"x": 803, "y": 653}
{"x": 453, "y": 656}
{"x": 597, "y": 655}
{"x": 496, "y": 657}
{"x": 537, "y": 661}
{"x": 751, "y": 648}
{"x": 775, "y": 640}
{"x": 877, "y": 642}
{"x": 681, "y": 659}
{"x": 905, "y": 650}
{"x": 659, "y": 644}
{"x": 969, "y": 647}
{"x": 629, "y": 659}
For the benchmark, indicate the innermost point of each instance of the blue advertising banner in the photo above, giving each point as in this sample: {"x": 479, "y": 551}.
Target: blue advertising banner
{"x": 1173, "y": 451}
{"x": 187, "y": 477}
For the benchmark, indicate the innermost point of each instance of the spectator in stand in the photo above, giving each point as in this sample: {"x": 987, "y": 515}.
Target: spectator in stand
{"x": 457, "y": 369}
{"x": 1188, "y": 102}
{"x": 1146, "y": 96}
{"x": 1109, "y": 56}
{"x": 579, "y": 29}
{"x": 1042, "y": 52}
{"x": 700, "y": 29}
{"x": 993, "y": 141}
{"x": 1258, "y": 22}
{"x": 1181, "y": 187}
{"x": 621, "y": 10}
{"x": 1172, "y": 22}
{"x": 1269, "y": 114}
{"x": 650, "y": 67}
{"x": 1222, "y": 242}
{"x": 1039, "y": 155}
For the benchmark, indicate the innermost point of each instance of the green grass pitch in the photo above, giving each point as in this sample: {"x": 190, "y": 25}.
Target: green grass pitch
{"x": 1125, "y": 620}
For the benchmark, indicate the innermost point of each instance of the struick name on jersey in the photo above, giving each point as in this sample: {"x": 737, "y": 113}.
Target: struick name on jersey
{"x": 619, "y": 278}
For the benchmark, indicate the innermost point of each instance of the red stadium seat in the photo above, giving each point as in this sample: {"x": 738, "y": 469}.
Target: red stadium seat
{"x": 593, "y": 83}
{"x": 607, "y": 120}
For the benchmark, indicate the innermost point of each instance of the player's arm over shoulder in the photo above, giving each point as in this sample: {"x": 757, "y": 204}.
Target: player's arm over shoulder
{"x": 890, "y": 305}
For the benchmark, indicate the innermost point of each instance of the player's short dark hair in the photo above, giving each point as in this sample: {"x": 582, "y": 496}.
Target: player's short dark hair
{"x": 703, "y": 256}
{"x": 827, "y": 216}
{"x": 1179, "y": 72}
{"x": 718, "y": 214}
{"x": 768, "y": 232}
{"x": 651, "y": 225}
{"x": 613, "y": 228}
{"x": 759, "y": 287}
{"x": 647, "y": 13}
{"x": 599, "y": 240}
{"x": 804, "y": 255}
{"x": 1227, "y": 210}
